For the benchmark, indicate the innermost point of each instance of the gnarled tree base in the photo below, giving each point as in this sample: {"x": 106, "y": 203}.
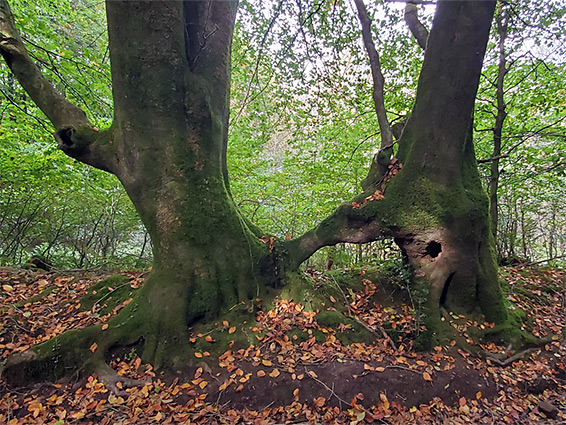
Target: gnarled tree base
{"x": 162, "y": 338}
{"x": 453, "y": 269}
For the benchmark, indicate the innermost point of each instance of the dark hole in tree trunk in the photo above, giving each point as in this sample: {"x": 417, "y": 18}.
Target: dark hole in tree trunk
{"x": 445, "y": 289}
{"x": 65, "y": 136}
{"x": 433, "y": 249}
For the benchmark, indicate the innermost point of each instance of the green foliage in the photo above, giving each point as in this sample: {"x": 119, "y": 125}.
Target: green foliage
{"x": 69, "y": 42}
{"x": 304, "y": 127}
{"x": 54, "y": 206}
{"x": 532, "y": 179}
{"x": 51, "y": 205}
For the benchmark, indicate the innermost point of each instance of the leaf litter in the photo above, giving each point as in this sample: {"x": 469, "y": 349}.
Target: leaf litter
{"x": 305, "y": 377}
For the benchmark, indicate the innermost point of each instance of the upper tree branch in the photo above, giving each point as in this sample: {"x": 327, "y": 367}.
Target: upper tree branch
{"x": 69, "y": 120}
{"x": 377, "y": 76}
{"x": 418, "y": 30}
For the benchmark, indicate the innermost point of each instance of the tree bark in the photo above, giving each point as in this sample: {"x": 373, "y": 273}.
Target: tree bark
{"x": 418, "y": 30}
{"x": 171, "y": 158}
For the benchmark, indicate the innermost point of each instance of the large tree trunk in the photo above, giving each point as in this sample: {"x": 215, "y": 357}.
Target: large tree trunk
{"x": 435, "y": 206}
{"x": 167, "y": 145}
{"x": 442, "y": 209}
{"x": 170, "y": 131}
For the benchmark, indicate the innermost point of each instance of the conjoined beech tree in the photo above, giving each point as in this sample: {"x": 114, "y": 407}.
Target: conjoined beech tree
{"x": 167, "y": 145}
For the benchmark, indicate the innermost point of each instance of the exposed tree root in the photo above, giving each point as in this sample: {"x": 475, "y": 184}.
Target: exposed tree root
{"x": 74, "y": 352}
{"x": 503, "y": 360}
{"x": 110, "y": 378}
{"x": 13, "y": 363}
{"x": 506, "y": 358}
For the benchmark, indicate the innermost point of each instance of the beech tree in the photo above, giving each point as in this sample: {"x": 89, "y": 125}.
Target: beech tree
{"x": 167, "y": 145}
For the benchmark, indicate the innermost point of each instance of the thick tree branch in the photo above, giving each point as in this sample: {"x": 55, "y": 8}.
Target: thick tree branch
{"x": 418, "y": 30}
{"x": 75, "y": 134}
{"x": 349, "y": 223}
{"x": 87, "y": 145}
{"x": 59, "y": 111}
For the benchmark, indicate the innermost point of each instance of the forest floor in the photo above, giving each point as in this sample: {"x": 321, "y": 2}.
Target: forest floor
{"x": 285, "y": 379}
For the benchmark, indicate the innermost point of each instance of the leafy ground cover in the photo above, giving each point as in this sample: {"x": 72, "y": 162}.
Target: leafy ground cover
{"x": 298, "y": 371}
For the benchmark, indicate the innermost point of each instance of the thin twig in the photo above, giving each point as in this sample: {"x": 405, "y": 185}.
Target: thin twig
{"x": 532, "y": 263}
{"x": 340, "y": 399}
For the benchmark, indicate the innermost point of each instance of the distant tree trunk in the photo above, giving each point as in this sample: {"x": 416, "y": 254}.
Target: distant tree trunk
{"x": 552, "y": 246}
{"x": 502, "y": 71}
{"x": 525, "y": 233}
{"x": 330, "y": 257}
{"x": 514, "y": 228}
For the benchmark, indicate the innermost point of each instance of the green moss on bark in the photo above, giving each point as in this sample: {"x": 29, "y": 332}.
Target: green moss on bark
{"x": 513, "y": 331}
{"x": 105, "y": 295}
{"x": 64, "y": 354}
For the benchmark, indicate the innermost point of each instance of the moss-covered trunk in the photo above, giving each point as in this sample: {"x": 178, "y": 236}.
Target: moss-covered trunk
{"x": 432, "y": 201}
{"x": 442, "y": 218}
{"x": 167, "y": 145}
{"x": 170, "y": 129}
